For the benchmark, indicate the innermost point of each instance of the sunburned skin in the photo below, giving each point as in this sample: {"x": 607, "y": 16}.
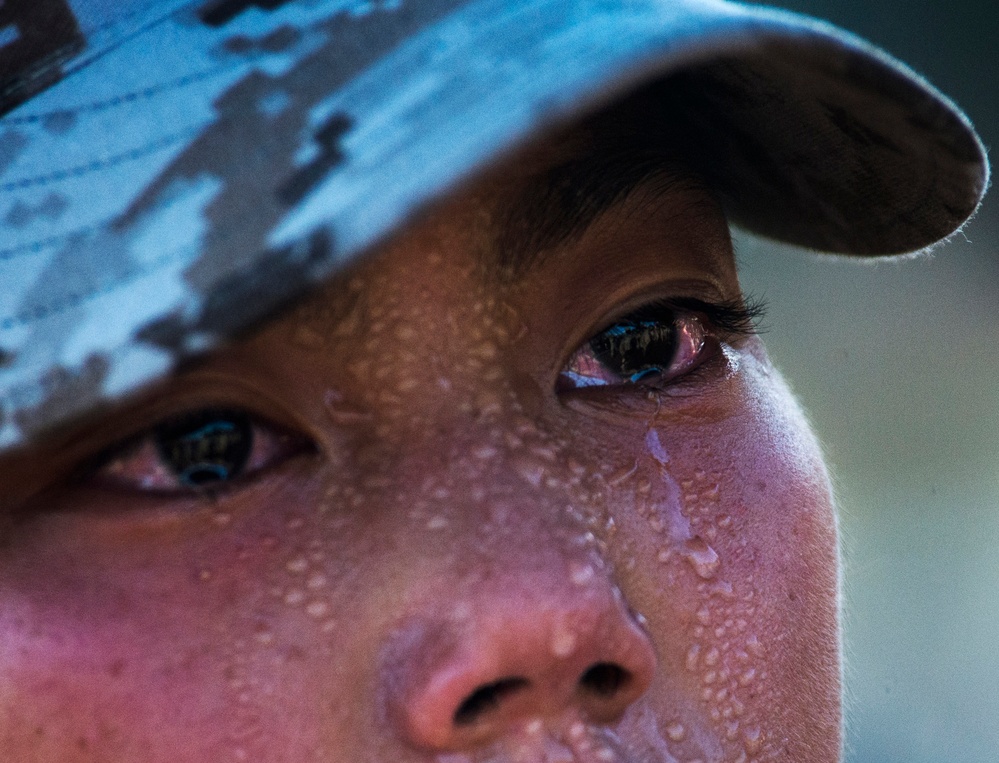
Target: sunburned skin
{"x": 441, "y": 549}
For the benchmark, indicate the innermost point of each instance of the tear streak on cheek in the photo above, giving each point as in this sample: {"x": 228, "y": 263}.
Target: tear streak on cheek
{"x": 739, "y": 519}
{"x": 702, "y": 600}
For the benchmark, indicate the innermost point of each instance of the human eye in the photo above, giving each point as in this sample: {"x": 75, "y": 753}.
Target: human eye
{"x": 658, "y": 344}
{"x": 204, "y": 450}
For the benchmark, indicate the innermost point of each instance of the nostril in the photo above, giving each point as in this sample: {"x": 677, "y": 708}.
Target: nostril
{"x": 486, "y": 698}
{"x": 604, "y": 679}
{"x": 462, "y": 684}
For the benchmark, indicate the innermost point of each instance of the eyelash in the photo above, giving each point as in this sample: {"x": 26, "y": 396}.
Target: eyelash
{"x": 641, "y": 348}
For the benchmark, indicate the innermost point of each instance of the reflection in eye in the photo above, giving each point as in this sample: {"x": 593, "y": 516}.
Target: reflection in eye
{"x": 201, "y": 449}
{"x": 206, "y": 446}
{"x": 655, "y": 344}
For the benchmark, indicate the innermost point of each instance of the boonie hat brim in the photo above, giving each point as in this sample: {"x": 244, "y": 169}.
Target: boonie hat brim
{"x": 173, "y": 172}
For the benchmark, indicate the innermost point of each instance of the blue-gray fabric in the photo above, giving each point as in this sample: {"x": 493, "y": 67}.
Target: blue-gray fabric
{"x": 172, "y": 172}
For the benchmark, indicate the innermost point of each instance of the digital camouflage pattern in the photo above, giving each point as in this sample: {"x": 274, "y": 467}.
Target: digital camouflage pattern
{"x": 171, "y": 171}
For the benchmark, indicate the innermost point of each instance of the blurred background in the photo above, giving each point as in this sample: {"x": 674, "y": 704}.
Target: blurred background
{"x": 898, "y": 366}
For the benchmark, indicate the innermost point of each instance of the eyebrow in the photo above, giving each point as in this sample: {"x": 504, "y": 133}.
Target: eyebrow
{"x": 558, "y": 205}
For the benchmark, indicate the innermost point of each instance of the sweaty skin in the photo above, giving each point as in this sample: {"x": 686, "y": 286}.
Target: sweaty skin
{"x": 442, "y": 552}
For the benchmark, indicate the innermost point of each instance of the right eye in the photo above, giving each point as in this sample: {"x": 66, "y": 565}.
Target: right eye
{"x": 657, "y": 344}
{"x": 651, "y": 347}
{"x": 205, "y": 449}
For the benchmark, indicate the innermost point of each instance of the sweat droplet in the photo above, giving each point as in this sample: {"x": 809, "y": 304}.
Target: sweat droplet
{"x": 318, "y": 609}
{"x": 342, "y": 413}
{"x": 405, "y": 332}
{"x": 264, "y": 637}
{"x": 307, "y": 337}
{"x": 723, "y": 590}
{"x": 581, "y": 574}
{"x": 702, "y": 557}
{"x": 563, "y": 643}
{"x": 531, "y": 471}
{"x": 484, "y": 452}
{"x": 752, "y": 740}
{"x": 692, "y": 655}
{"x": 316, "y": 581}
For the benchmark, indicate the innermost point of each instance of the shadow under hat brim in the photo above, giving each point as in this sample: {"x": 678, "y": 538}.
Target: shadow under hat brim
{"x": 341, "y": 126}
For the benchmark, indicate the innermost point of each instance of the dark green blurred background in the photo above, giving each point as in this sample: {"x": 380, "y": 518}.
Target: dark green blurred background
{"x": 898, "y": 366}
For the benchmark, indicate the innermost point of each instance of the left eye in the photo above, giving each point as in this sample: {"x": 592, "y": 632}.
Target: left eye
{"x": 198, "y": 450}
{"x": 652, "y": 345}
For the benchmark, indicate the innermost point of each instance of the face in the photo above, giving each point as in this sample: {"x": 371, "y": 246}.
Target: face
{"x": 520, "y": 486}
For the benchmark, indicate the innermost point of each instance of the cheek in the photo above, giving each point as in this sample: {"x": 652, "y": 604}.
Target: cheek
{"x": 728, "y": 548}
{"x": 83, "y": 661}
{"x": 186, "y": 644}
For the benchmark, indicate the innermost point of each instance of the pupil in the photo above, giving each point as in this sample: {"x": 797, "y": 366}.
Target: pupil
{"x": 634, "y": 349}
{"x": 205, "y": 447}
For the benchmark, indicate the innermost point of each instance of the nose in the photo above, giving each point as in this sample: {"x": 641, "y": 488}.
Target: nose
{"x": 548, "y": 648}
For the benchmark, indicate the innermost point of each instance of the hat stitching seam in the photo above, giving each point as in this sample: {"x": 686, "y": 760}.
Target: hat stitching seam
{"x": 100, "y": 164}
{"x": 34, "y": 247}
{"x": 129, "y": 97}
{"x": 135, "y": 95}
{"x": 41, "y": 312}
{"x": 75, "y": 63}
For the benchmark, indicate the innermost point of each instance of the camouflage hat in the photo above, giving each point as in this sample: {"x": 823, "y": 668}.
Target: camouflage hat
{"x": 173, "y": 171}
